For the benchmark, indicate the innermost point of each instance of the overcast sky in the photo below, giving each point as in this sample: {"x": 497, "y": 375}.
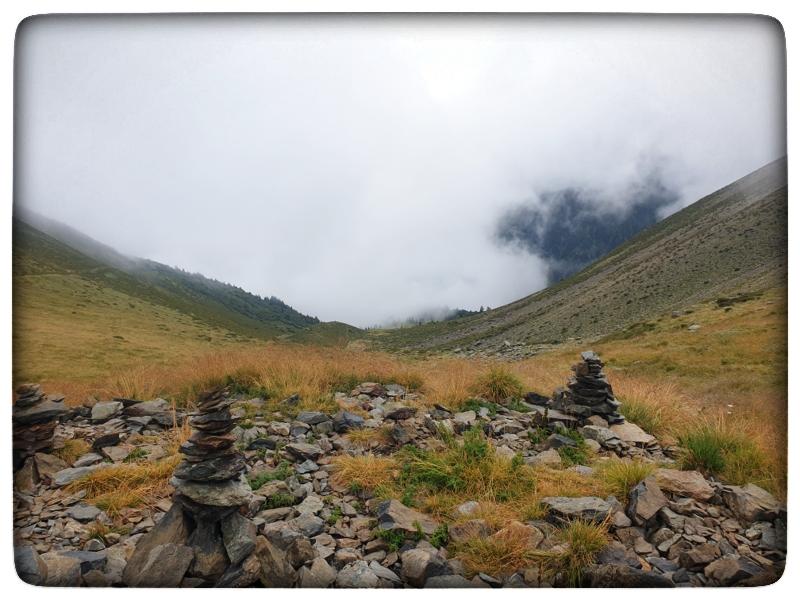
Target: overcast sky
{"x": 357, "y": 169}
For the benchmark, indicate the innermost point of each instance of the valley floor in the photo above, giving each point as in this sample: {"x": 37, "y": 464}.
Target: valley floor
{"x": 439, "y": 472}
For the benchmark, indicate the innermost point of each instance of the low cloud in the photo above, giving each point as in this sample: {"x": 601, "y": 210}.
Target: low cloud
{"x": 357, "y": 168}
{"x": 570, "y": 227}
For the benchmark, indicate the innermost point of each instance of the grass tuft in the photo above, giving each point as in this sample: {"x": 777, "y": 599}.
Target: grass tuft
{"x": 126, "y": 485}
{"x": 621, "y": 476}
{"x": 716, "y": 448}
{"x": 584, "y": 541}
{"x": 364, "y": 472}
{"x": 366, "y": 437}
{"x": 498, "y": 385}
{"x": 72, "y": 450}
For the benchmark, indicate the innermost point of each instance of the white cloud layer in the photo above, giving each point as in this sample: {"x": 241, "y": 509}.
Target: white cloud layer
{"x": 356, "y": 168}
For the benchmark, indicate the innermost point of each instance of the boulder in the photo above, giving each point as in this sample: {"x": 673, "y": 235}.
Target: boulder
{"x": 61, "y": 570}
{"x": 275, "y": 569}
{"x": 234, "y": 492}
{"x": 88, "y": 460}
{"x": 398, "y": 412}
{"x": 147, "y": 409}
{"x": 466, "y": 509}
{"x": 173, "y": 528}
{"x": 103, "y": 411}
{"x": 419, "y": 565}
{"x": 299, "y": 552}
{"x": 47, "y": 465}
{"x": 165, "y": 566}
{"x": 239, "y": 537}
{"x": 301, "y": 451}
{"x": 548, "y": 458}
{"x": 241, "y": 575}
{"x": 312, "y": 504}
{"x": 312, "y": 418}
{"x": 699, "y": 556}
{"x": 308, "y": 524}
{"x": 27, "y": 478}
{"x": 210, "y": 557}
{"x": 67, "y": 476}
{"x": 393, "y": 515}
{"x": 515, "y": 530}
{"x": 751, "y": 503}
{"x": 29, "y": 565}
{"x": 384, "y": 573}
{"x": 344, "y": 421}
{"x": 319, "y": 574}
{"x": 730, "y": 570}
{"x": 589, "y": 508}
{"x": 646, "y": 499}
{"x": 684, "y": 483}
{"x": 632, "y": 434}
{"x": 84, "y": 512}
{"x": 357, "y": 575}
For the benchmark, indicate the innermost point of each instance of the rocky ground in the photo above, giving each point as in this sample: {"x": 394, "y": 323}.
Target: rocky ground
{"x": 302, "y": 527}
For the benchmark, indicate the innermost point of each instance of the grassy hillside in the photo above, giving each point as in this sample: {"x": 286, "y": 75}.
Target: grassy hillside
{"x": 79, "y": 314}
{"x": 731, "y": 241}
{"x": 215, "y": 303}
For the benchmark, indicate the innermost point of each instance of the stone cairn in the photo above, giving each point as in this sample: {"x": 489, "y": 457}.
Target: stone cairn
{"x": 588, "y": 392}
{"x": 210, "y": 487}
{"x": 212, "y": 468}
{"x": 34, "y": 416}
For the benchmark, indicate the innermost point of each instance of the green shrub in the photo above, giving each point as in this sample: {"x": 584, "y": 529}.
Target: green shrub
{"x": 538, "y": 435}
{"x": 574, "y": 455}
{"x": 440, "y": 536}
{"x": 335, "y": 515}
{"x": 394, "y": 538}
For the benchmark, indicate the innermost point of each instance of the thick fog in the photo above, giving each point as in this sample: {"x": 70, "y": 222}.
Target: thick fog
{"x": 371, "y": 169}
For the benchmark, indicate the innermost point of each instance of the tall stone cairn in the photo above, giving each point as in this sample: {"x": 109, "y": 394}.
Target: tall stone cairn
{"x": 588, "y": 392}
{"x": 210, "y": 481}
{"x": 210, "y": 489}
{"x": 34, "y": 417}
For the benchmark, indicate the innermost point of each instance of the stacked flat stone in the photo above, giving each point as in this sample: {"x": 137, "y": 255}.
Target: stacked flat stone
{"x": 34, "y": 416}
{"x": 210, "y": 482}
{"x": 588, "y": 392}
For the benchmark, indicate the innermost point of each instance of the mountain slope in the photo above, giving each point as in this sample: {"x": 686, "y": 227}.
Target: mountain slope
{"x": 217, "y": 304}
{"x": 734, "y": 240}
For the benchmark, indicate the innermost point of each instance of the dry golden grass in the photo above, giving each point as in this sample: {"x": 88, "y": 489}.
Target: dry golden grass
{"x": 72, "y": 450}
{"x": 366, "y": 471}
{"x": 367, "y": 438}
{"x": 509, "y": 550}
{"x": 121, "y": 486}
{"x": 502, "y": 553}
{"x": 733, "y": 368}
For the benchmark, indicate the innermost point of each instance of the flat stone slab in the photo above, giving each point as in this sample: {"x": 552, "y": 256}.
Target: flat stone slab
{"x": 588, "y": 508}
{"x": 393, "y": 514}
{"x": 236, "y": 492}
{"x": 632, "y": 434}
